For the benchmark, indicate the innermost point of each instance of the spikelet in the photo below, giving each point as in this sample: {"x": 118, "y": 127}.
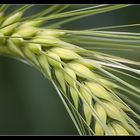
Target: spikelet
{"x": 65, "y": 53}
{"x": 81, "y": 70}
{"x": 27, "y": 32}
{"x": 70, "y": 76}
{"x": 113, "y": 112}
{"x": 12, "y": 47}
{"x": 12, "y": 19}
{"x": 119, "y": 129}
{"x": 87, "y": 113}
{"x": 60, "y": 77}
{"x": 103, "y": 116}
{"x": 112, "y": 130}
{"x": 98, "y": 90}
{"x": 8, "y": 30}
{"x": 43, "y": 60}
{"x": 74, "y": 96}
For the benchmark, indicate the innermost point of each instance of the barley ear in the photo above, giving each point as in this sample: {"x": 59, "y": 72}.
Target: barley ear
{"x": 86, "y": 79}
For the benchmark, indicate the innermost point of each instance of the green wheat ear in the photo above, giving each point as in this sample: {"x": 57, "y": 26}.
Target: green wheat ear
{"x": 86, "y": 80}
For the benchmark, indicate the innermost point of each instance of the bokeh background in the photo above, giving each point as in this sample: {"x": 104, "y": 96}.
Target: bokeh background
{"x": 29, "y": 104}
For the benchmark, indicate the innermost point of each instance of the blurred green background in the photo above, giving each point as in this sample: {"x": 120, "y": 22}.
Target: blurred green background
{"x": 29, "y": 103}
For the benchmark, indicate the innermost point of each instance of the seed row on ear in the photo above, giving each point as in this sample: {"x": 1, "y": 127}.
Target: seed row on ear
{"x": 44, "y": 49}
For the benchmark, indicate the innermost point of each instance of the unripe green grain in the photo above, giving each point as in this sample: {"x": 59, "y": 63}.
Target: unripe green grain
{"x": 8, "y": 30}
{"x": 41, "y": 41}
{"x": 15, "y": 50}
{"x": 119, "y": 129}
{"x": 60, "y": 77}
{"x": 69, "y": 76}
{"x": 101, "y": 112}
{"x": 103, "y": 116}
{"x": 111, "y": 129}
{"x": 27, "y": 32}
{"x": 98, "y": 90}
{"x": 81, "y": 70}
{"x": 52, "y": 32}
{"x": 74, "y": 96}
{"x": 88, "y": 114}
{"x": 52, "y": 59}
{"x": 98, "y": 129}
{"x": 113, "y": 111}
{"x": 46, "y": 42}
{"x": 12, "y": 19}
{"x": 107, "y": 83}
{"x": 119, "y": 104}
{"x": 65, "y": 53}
{"x": 85, "y": 63}
{"x": 36, "y": 48}
{"x": 35, "y": 23}
{"x": 85, "y": 92}
{"x": 43, "y": 60}
{"x": 17, "y": 39}
{"x": 31, "y": 56}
